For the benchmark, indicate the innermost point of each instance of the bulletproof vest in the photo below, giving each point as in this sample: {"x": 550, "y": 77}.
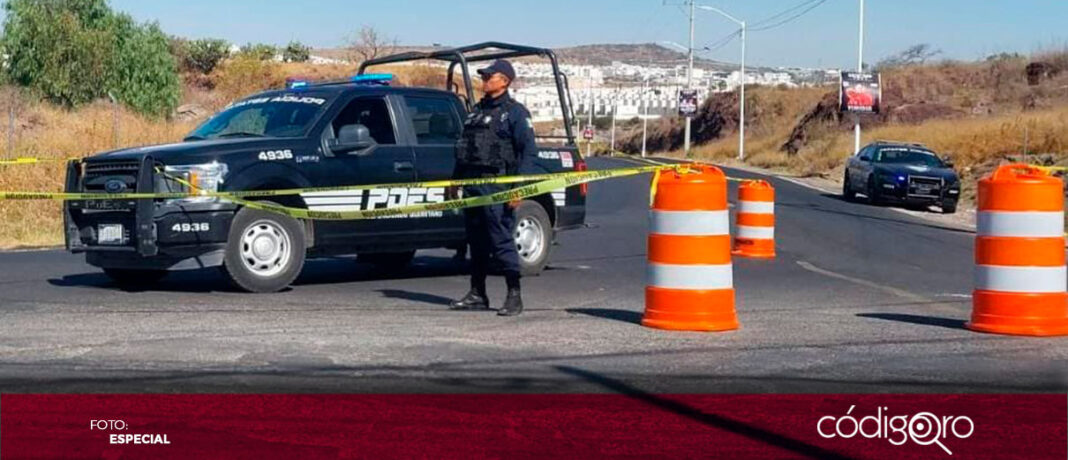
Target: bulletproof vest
{"x": 481, "y": 145}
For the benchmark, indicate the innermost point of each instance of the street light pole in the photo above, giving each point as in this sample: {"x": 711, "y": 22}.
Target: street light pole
{"x": 615, "y": 108}
{"x": 741, "y": 102}
{"x": 689, "y": 79}
{"x": 860, "y": 68}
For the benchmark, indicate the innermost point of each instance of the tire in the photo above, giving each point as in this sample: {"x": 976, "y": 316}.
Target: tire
{"x": 847, "y": 189}
{"x": 949, "y": 206}
{"x": 134, "y": 278}
{"x": 534, "y": 237}
{"x": 388, "y": 261}
{"x": 264, "y": 252}
{"x": 873, "y": 193}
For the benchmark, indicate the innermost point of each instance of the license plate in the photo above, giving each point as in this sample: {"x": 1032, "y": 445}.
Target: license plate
{"x": 925, "y": 190}
{"x": 109, "y": 234}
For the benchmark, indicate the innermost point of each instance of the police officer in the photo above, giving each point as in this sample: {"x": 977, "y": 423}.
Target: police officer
{"x": 498, "y": 135}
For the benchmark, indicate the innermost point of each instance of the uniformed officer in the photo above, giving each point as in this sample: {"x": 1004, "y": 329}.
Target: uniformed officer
{"x": 498, "y": 135}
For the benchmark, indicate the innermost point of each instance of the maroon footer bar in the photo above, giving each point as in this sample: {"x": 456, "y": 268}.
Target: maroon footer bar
{"x": 526, "y": 426}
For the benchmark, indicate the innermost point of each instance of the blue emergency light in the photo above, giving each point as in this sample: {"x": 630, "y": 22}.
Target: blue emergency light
{"x": 294, "y": 83}
{"x": 373, "y": 78}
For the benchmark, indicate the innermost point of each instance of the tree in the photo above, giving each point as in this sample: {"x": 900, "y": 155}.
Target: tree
{"x": 63, "y": 49}
{"x": 261, "y": 51}
{"x": 915, "y": 54}
{"x": 145, "y": 76}
{"x": 369, "y": 43}
{"x": 296, "y": 52}
{"x": 74, "y": 51}
{"x": 203, "y": 55}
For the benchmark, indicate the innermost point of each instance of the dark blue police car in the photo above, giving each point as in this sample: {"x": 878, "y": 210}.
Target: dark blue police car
{"x": 353, "y": 132}
{"x": 902, "y": 172}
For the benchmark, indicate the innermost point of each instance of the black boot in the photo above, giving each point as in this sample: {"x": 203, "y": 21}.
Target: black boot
{"x": 513, "y": 304}
{"x": 474, "y": 300}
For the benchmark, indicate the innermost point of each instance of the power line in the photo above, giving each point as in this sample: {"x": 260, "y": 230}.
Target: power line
{"x": 782, "y": 13}
{"x": 724, "y": 41}
{"x": 789, "y": 19}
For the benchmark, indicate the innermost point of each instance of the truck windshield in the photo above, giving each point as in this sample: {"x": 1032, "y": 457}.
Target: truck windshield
{"x": 285, "y": 115}
{"x": 908, "y": 156}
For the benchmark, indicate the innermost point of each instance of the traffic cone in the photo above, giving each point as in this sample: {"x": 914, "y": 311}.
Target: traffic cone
{"x": 690, "y": 281}
{"x": 755, "y": 235}
{"x": 1020, "y": 276}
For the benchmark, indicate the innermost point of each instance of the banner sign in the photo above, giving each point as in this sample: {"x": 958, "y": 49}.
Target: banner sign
{"x": 636, "y": 424}
{"x": 860, "y": 92}
{"x": 687, "y": 102}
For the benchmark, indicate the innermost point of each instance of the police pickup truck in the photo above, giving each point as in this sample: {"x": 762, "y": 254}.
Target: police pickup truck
{"x": 358, "y": 131}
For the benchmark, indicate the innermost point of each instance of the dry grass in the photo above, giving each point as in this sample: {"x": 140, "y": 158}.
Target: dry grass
{"x": 51, "y": 133}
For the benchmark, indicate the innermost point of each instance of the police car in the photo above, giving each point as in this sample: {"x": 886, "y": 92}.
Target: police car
{"x": 354, "y": 132}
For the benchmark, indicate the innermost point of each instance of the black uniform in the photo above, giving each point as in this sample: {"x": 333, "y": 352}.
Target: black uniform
{"x": 498, "y": 136}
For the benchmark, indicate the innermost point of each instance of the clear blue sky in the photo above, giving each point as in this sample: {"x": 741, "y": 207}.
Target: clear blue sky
{"x": 827, "y": 36}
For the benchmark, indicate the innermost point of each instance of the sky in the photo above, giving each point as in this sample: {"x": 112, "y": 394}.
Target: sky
{"x": 824, "y": 37}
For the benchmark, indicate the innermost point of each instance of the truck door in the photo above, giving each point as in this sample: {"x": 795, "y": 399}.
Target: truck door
{"x": 387, "y": 161}
{"x": 435, "y": 127}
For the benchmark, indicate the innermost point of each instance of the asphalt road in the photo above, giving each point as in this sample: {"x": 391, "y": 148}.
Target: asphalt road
{"x": 860, "y": 299}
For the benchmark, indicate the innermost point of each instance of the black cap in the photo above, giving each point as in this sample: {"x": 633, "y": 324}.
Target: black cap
{"x": 500, "y": 65}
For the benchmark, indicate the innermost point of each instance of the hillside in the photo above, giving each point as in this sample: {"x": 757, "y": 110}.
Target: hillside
{"x": 599, "y": 54}
{"x": 978, "y": 113}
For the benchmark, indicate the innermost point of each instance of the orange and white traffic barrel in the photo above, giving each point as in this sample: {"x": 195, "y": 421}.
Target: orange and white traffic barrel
{"x": 1020, "y": 275}
{"x": 755, "y": 235}
{"x": 690, "y": 282}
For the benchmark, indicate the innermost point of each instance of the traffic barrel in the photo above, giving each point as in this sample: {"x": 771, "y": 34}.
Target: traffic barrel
{"x": 690, "y": 283}
{"x": 1020, "y": 276}
{"x": 755, "y": 236}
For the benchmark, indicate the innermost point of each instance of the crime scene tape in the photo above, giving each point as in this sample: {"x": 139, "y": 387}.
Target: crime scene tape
{"x": 548, "y": 183}
{"x": 33, "y": 161}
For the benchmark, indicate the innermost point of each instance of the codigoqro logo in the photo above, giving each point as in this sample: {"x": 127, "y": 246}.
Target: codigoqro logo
{"x": 923, "y": 428}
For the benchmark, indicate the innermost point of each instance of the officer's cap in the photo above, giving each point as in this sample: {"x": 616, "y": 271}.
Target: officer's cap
{"x": 500, "y": 65}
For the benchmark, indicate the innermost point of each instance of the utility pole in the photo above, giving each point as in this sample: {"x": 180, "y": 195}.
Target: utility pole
{"x": 689, "y": 79}
{"x": 589, "y": 124}
{"x": 645, "y": 117}
{"x": 860, "y": 68}
{"x": 615, "y": 108}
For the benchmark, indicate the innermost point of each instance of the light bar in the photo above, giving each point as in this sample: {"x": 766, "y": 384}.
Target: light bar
{"x": 380, "y": 78}
{"x": 294, "y": 83}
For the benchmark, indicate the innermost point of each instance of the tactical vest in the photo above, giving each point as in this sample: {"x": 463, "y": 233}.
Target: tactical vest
{"x": 482, "y": 145}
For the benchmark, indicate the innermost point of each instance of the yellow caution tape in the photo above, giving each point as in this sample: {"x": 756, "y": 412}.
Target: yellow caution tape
{"x": 548, "y": 183}
{"x": 518, "y": 193}
{"x": 33, "y": 161}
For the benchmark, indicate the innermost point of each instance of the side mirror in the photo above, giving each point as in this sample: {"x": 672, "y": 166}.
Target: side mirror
{"x": 948, "y": 161}
{"x": 352, "y": 138}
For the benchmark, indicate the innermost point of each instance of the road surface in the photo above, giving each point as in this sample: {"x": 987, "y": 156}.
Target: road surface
{"x": 860, "y": 299}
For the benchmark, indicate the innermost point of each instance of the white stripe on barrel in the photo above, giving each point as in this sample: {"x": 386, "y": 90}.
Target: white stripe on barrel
{"x": 691, "y": 223}
{"x": 704, "y": 277}
{"x": 756, "y": 233}
{"x": 1021, "y": 279}
{"x": 1026, "y": 224}
{"x": 756, "y": 207}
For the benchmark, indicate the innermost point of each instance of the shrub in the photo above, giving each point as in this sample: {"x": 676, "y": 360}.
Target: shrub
{"x": 204, "y": 55}
{"x": 74, "y": 51}
{"x": 261, "y": 51}
{"x": 62, "y": 49}
{"x": 296, "y": 52}
{"x": 145, "y": 77}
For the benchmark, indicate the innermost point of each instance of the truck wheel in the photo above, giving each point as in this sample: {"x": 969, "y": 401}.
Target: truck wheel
{"x": 264, "y": 252}
{"x": 388, "y": 261}
{"x": 533, "y": 237}
{"x": 949, "y": 206}
{"x": 847, "y": 189}
{"x": 134, "y": 278}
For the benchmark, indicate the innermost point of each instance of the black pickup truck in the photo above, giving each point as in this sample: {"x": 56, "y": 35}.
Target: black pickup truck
{"x": 354, "y": 132}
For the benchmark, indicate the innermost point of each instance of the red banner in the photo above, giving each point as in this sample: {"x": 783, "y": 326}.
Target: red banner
{"x": 528, "y": 426}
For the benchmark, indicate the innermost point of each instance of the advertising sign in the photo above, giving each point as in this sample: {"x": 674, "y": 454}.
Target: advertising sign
{"x": 860, "y": 92}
